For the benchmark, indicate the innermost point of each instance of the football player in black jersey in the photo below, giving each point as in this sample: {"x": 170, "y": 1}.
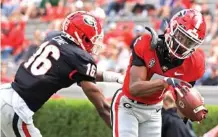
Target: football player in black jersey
{"x": 64, "y": 58}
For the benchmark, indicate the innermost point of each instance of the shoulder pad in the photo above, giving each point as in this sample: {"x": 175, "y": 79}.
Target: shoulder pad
{"x": 197, "y": 63}
{"x": 52, "y": 34}
{"x": 154, "y": 37}
{"x": 82, "y": 55}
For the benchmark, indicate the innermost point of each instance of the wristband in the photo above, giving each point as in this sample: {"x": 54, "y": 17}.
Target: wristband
{"x": 109, "y": 76}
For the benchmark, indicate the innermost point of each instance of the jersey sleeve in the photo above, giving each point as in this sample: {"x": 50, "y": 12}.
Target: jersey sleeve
{"x": 83, "y": 66}
{"x": 136, "y": 60}
{"x": 138, "y": 51}
{"x": 81, "y": 77}
{"x": 85, "y": 71}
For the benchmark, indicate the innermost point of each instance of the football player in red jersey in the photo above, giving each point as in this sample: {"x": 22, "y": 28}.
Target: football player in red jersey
{"x": 64, "y": 58}
{"x": 136, "y": 109}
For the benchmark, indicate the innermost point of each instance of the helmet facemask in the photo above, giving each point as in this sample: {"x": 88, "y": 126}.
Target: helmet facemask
{"x": 97, "y": 42}
{"x": 181, "y": 43}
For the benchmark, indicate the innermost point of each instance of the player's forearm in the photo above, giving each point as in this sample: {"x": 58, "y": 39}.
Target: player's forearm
{"x": 106, "y": 117}
{"x": 105, "y": 114}
{"x": 100, "y": 103}
{"x": 103, "y": 109}
{"x": 145, "y": 88}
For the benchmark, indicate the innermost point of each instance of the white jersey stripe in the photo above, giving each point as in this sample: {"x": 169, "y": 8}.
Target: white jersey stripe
{"x": 199, "y": 21}
{"x": 115, "y": 102}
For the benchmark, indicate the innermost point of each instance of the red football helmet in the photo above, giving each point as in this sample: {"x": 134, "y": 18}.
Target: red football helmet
{"x": 186, "y": 31}
{"x": 85, "y": 30}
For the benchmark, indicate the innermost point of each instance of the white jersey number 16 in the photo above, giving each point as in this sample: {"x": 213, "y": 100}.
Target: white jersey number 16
{"x": 40, "y": 62}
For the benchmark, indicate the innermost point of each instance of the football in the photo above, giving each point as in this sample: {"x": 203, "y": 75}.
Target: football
{"x": 190, "y": 103}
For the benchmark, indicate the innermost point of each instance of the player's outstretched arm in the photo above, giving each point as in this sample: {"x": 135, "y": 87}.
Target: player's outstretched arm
{"x": 109, "y": 76}
{"x": 98, "y": 100}
{"x": 140, "y": 86}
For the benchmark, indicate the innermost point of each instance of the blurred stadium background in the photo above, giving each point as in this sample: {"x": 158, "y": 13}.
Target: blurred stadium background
{"x": 24, "y": 24}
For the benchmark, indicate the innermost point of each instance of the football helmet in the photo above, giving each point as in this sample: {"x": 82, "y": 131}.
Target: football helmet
{"x": 185, "y": 32}
{"x": 85, "y": 30}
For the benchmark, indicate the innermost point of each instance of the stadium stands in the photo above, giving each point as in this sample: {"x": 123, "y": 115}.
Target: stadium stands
{"x": 139, "y": 12}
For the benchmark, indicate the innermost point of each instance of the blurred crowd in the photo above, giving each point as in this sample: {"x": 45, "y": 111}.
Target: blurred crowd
{"x": 119, "y": 35}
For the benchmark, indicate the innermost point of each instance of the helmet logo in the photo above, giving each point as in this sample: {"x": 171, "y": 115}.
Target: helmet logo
{"x": 90, "y": 20}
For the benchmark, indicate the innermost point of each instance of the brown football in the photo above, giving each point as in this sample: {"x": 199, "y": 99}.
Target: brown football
{"x": 190, "y": 103}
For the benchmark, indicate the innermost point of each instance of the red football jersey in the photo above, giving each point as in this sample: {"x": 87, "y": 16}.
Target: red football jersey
{"x": 190, "y": 70}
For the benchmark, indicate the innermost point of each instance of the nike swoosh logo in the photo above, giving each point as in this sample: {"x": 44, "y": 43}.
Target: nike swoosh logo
{"x": 178, "y": 74}
{"x": 157, "y": 110}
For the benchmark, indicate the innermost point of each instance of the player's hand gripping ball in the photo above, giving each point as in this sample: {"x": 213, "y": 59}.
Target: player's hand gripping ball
{"x": 190, "y": 103}
{"x": 174, "y": 82}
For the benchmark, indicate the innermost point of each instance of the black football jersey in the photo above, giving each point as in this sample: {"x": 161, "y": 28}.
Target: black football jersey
{"x": 58, "y": 63}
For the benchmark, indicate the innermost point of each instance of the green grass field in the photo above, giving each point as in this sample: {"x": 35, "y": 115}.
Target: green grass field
{"x": 78, "y": 118}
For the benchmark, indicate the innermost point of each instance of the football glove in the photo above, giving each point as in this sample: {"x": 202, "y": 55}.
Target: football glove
{"x": 174, "y": 82}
